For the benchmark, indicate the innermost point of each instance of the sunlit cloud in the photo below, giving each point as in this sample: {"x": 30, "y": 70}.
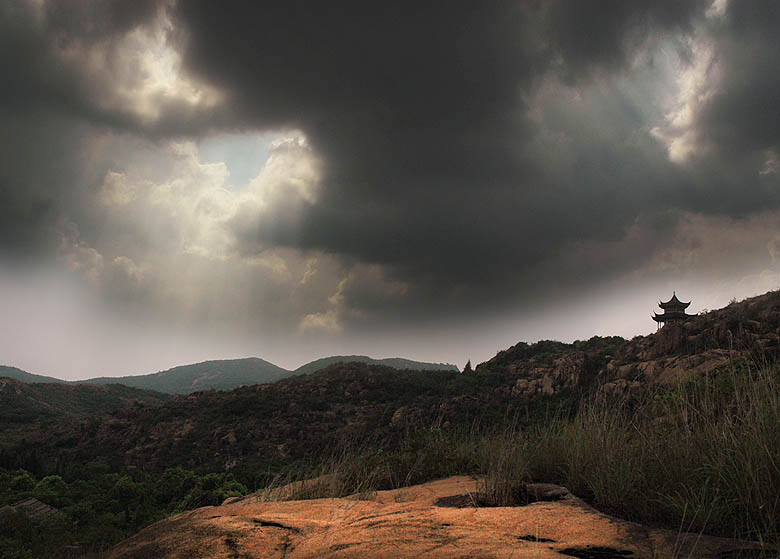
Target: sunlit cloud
{"x": 327, "y": 321}
{"x": 196, "y": 204}
{"x": 697, "y": 83}
{"x": 140, "y": 71}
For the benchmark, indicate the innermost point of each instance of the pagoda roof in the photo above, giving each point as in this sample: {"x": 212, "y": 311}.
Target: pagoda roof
{"x": 671, "y": 315}
{"x": 673, "y": 303}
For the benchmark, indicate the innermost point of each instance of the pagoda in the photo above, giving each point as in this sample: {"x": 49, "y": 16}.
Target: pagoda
{"x": 674, "y": 311}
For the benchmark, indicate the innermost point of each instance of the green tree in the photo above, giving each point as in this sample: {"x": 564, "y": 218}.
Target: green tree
{"x": 52, "y": 490}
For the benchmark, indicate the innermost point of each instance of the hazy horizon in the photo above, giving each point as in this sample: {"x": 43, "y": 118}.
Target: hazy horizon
{"x": 200, "y": 356}
{"x": 182, "y": 182}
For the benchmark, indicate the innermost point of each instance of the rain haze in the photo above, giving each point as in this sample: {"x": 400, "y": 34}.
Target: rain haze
{"x": 192, "y": 180}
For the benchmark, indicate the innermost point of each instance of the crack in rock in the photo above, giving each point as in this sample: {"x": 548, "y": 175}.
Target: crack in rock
{"x": 595, "y": 552}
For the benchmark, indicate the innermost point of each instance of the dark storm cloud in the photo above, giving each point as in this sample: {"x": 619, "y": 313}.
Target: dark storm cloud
{"x": 745, "y": 113}
{"x": 39, "y": 162}
{"x": 603, "y": 36}
{"x": 402, "y": 96}
{"x": 419, "y": 111}
{"x": 66, "y": 59}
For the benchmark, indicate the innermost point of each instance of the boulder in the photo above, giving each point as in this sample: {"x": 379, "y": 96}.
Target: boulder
{"x": 407, "y": 523}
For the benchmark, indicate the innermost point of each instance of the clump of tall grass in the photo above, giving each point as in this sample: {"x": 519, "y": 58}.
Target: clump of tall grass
{"x": 341, "y": 475}
{"x": 703, "y": 455}
{"x": 506, "y": 467}
{"x": 360, "y": 470}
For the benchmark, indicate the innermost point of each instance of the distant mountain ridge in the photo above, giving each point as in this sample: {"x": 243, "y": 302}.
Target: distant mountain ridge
{"x": 224, "y": 374}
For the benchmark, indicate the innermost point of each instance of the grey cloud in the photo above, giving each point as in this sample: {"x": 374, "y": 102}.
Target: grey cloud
{"x": 40, "y": 155}
{"x": 418, "y": 112}
{"x": 745, "y": 113}
{"x": 34, "y": 37}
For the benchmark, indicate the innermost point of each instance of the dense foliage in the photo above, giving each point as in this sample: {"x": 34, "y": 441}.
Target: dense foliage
{"x": 100, "y": 507}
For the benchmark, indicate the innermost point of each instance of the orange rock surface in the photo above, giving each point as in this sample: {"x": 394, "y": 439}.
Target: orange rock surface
{"x": 406, "y": 524}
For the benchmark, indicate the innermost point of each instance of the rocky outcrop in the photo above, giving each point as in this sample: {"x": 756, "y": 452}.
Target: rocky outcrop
{"x": 668, "y": 369}
{"x": 410, "y": 523}
{"x": 547, "y": 368}
{"x": 568, "y": 371}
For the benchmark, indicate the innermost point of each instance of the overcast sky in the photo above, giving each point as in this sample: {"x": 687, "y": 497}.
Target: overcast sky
{"x": 192, "y": 180}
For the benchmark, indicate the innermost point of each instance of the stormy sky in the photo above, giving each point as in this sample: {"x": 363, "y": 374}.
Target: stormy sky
{"x": 197, "y": 180}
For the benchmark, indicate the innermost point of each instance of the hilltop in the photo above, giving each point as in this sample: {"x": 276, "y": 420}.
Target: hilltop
{"x": 392, "y": 362}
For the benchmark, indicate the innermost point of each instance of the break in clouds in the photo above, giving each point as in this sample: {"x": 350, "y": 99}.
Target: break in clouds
{"x": 430, "y": 180}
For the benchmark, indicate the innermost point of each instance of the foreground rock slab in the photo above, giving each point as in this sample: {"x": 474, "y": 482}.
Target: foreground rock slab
{"x": 408, "y": 523}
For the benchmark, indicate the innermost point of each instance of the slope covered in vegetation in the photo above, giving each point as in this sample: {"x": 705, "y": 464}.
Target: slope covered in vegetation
{"x": 22, "y": 402}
